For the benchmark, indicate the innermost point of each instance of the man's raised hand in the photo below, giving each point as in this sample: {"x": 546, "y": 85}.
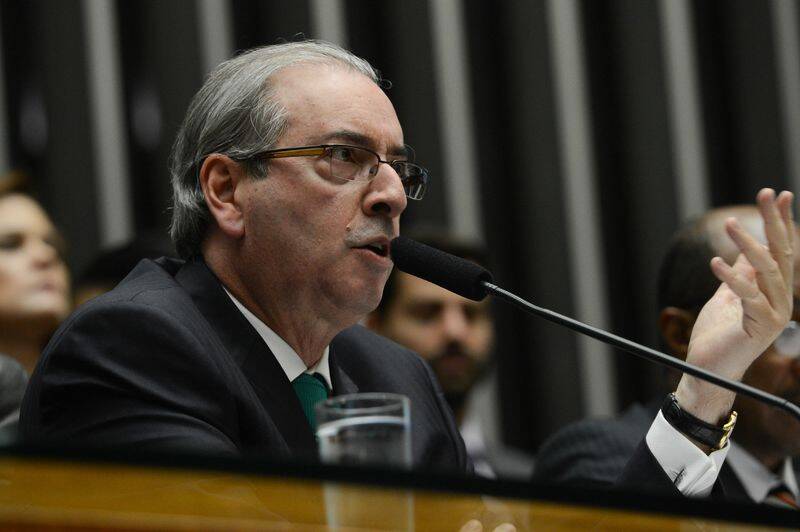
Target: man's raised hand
{"x": 748, "y": 311}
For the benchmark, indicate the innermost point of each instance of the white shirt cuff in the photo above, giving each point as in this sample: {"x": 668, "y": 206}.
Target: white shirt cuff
{"x": 691, "y": 470}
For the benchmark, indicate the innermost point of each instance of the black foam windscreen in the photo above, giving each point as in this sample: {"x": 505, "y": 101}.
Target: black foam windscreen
{"x": 448, "y": 271}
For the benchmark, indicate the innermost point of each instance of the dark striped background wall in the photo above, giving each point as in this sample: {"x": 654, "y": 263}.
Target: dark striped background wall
{"x": 571, "y": 135}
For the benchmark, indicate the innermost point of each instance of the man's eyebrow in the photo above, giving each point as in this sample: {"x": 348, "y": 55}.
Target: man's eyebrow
{"x": 359, "y": 139}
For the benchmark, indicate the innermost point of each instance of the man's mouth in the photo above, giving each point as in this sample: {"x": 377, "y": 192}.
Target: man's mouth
{"x": 380, "y": 249}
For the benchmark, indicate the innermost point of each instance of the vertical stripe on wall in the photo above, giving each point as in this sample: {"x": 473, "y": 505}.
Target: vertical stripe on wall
{"x": 215, "y": 33}
{"x": 108, "y": 127}
{"x": 5, "y": 162}
{"x": 787, "y": 49}
{"x": 685, "y": 118}
{"x": 456, "y": 120}
{"x": 583, "y": 222}
{"x": 327, "y": 21}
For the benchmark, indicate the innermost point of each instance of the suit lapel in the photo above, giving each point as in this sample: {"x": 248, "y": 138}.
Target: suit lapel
{"x": 731, "y": 486}
{"x": 251, "y": 354}
{"x": 340, "y": 380}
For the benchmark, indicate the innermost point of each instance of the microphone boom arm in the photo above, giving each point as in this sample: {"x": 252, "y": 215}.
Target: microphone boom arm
{"x": 642, "y": 351}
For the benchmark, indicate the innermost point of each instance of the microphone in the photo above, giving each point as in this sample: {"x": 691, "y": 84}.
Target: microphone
{"x": 452, "y": 273}
{"x": 469, "y": 280}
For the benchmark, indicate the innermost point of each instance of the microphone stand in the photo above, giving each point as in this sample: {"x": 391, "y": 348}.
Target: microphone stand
{"x": 642, "y": 351}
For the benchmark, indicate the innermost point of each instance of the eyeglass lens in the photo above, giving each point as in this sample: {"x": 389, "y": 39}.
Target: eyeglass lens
{"x": 353, "y": 163}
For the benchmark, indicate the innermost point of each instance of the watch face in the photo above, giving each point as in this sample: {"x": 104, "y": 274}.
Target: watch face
{"x": 728, "y": 429}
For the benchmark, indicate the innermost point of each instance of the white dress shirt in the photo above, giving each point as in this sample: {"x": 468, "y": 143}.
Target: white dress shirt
{"x": 475, "y": 443}
{"x": 691, "y": 470}
{"x": 290, "y": 361}
{"x": 756, "y": 478}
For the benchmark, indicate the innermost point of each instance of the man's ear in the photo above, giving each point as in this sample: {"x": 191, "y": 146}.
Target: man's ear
{"x": 676, "y": 325}
{"x": 219, "y": 177}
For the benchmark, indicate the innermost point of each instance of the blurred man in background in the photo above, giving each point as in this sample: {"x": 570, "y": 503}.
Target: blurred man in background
{"x": 759, "y": 465}
{"x": 455, "y": 335}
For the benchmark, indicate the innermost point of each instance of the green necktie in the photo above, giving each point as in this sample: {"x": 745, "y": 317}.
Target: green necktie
{"x": 310, "y": 389}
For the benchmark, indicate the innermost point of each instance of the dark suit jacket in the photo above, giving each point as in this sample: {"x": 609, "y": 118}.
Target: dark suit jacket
{"x": 598, "y": 453}
{"x": 166, "y": 361}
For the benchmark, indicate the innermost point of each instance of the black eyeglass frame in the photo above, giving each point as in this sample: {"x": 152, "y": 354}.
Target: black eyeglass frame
{"x": 401, "y": 167}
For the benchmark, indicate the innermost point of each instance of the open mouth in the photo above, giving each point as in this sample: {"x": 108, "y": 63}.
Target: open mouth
{"x": 382, "y": 250}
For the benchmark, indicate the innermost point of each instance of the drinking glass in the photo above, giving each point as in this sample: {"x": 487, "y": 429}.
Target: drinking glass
{"x": 365, "y": 429}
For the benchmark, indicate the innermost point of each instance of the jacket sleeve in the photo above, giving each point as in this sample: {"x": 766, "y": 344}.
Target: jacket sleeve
{"x": 643, "y": 472}
{"x": 588, "y": 453}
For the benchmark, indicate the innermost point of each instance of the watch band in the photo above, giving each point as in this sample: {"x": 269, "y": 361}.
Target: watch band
{"x": 712, "y": 435}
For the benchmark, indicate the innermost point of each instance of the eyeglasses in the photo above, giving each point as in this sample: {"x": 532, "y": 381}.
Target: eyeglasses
{"x": 788, "y": 342}
{"x": 354, "y": 163}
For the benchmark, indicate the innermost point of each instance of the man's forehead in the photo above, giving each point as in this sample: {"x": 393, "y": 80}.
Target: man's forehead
{"x": 324, "y": 101}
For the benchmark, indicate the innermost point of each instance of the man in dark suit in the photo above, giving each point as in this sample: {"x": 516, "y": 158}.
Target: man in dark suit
{"x": 205, "y": 353}
{"x": 594, "y": 452}
{"x": 289, "y": 176}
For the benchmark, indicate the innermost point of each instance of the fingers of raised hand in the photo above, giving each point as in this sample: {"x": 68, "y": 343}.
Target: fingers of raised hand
{"x": 779, "y": 228}
{"x": 759, "y": 314}
{"x": 737, "y": 278}
{"x": 769, "y": 277}
{"x": 785, "y": 202}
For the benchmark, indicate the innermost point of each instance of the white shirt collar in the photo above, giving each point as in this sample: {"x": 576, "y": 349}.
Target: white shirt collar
{"x": 287, "y": 357}
{"x": 757, "y": 479}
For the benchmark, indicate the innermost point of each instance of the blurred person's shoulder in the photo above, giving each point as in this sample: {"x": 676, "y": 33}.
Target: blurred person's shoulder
{"x": 593, "y": 451}
{"x": 13, "y": 380}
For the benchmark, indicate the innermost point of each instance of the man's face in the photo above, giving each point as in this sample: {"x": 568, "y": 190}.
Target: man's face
{"x": 454, "y": 334}
{"x": 306, "y": 229}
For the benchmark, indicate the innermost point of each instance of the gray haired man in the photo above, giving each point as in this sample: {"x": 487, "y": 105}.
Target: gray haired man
{"x": 289, "y": 176}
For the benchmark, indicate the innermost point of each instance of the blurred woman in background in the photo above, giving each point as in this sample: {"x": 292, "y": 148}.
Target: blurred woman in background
{"x": 34, "y": 287}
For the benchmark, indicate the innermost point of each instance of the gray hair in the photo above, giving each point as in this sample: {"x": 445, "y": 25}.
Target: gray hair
{"x": 235, "y": 113}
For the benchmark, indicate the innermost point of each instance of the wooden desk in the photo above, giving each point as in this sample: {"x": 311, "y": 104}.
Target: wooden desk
{"x": 39, "y": 493}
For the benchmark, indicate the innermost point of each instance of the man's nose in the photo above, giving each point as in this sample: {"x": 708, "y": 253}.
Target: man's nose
{"x": 454, "y": 323}
{"x": 386, "y": 194}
